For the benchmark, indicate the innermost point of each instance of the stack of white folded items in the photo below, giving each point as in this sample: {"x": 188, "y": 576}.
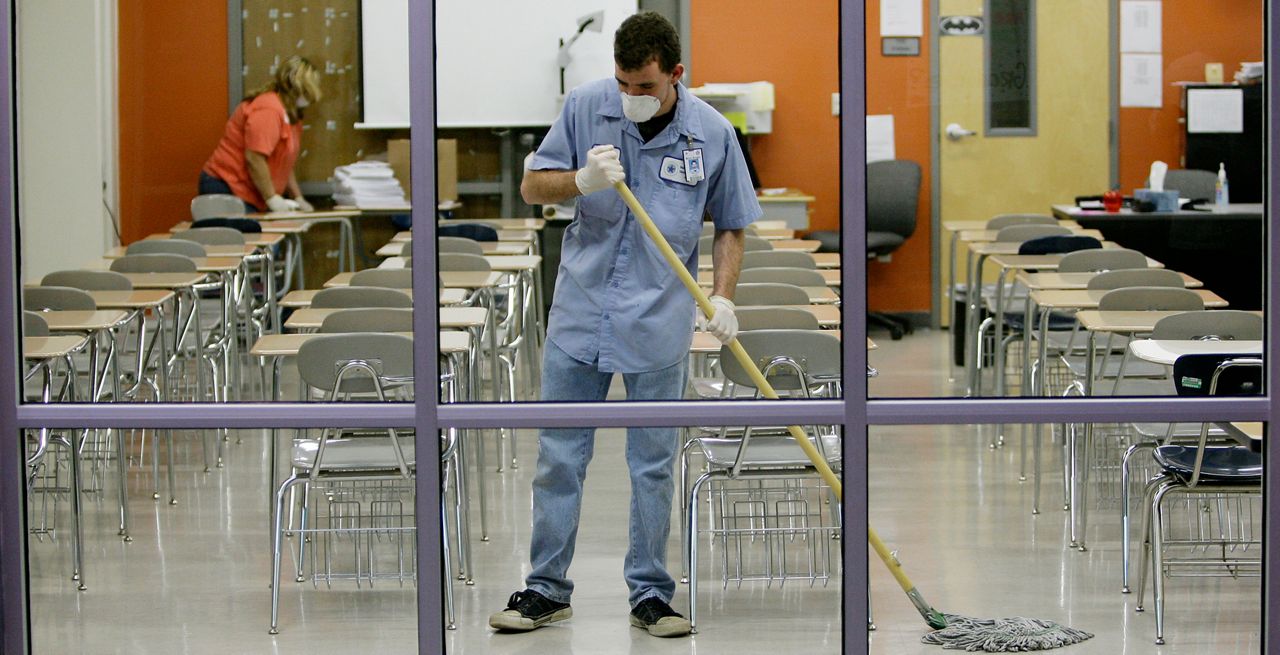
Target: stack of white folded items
{"x": 1250, "y": 72}
{"x": 367, "y": 184}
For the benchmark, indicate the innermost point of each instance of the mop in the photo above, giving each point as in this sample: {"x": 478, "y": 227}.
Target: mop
{"x": 952, "y": 632}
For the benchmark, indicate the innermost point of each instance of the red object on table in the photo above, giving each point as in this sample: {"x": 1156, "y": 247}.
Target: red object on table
{"x": 1112, "y": 200}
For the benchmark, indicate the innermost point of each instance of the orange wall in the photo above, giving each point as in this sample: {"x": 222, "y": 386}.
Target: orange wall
{"x": 795, "y": 46}
{"x": 173, "y": 104}
{"x": 1195, "y": 33}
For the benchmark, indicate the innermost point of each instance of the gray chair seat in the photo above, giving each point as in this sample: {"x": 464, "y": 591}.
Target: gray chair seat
{"x": 882, "y": 243}
{"x": 766, "y": 452}
{"x": 371, "y": 453}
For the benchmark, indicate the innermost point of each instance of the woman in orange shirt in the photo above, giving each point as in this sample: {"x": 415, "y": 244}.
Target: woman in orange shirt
{"x": 260, "y": 144}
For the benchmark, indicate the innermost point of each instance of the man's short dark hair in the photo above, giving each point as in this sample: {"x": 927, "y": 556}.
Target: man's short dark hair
{"x": 645, "y": 37}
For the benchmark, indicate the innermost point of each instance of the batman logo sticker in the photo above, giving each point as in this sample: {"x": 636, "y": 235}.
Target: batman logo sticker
{"x": 960, "y": 25}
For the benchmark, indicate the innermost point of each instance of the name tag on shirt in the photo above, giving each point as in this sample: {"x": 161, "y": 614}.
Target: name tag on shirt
{"x": 672, "y": 170}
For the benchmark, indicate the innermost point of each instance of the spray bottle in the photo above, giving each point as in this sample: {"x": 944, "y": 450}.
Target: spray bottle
{"x": 1221, "y": 195}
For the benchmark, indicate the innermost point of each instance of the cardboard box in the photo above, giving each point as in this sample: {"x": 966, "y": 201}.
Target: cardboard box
{"x": 446, "y": 167}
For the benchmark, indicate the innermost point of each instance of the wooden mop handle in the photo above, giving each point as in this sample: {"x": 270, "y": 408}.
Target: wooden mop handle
{"x": 736, "y": 348}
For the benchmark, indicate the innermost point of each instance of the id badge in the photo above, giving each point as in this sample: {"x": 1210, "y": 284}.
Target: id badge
{"x": 693, "y": 165}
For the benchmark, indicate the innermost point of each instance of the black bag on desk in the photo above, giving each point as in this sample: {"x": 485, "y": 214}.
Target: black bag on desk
{"x": 1055, "y": 245}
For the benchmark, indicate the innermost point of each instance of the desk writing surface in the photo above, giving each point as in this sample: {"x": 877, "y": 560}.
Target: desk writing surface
{"x": 272, "y": 228}
{"x": 770, "y": 224}
{"x": 706, "y": 278}
{"x": 1042, "y": 262}
{"x": 822, "y": 260}
{"x": 1166, "y": 351}
{"x": 817, "y": 295}
{"x": 1234, "y": 209}
{"x": 707, "y": 343}
{"x": 304, "y": 216}
{"x": 34, "y": 348}
{"x": 773, "y": 234}
{"x": 798, "y": 245}
{"x": 287, "y": 345}
{"x": 1056, "y": 280}
{"x": 513, "y": 263}
{"x": 1011, "y": 248}
{"x": 301, "y": 298}
{"x": 164, "y": 280}
{"x": 240, "y": 251}
{"x": 1089, "y": 298}
{"x": 1128, "y": 321}
{"x": 83, "y": 320}
{"x": 499, "y": 248}
{"x": 135, "y": 299}
{"x": 503, "y": 223}
{"x": 1250, "y": 430}
{"x": 958, "y": 226}
{"x": 470, "y": 279}
{"x": 450, "y": 317}
{"x": 989, "y": 236}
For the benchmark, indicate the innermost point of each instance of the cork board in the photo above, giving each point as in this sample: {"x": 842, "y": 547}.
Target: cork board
{"x": 328, "y": 34}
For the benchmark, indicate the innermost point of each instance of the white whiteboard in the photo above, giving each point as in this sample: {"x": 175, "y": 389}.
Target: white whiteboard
{"x": 495, "y": 59}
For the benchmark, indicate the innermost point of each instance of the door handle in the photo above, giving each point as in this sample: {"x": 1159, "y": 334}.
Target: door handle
{"x": 955, "y": 132}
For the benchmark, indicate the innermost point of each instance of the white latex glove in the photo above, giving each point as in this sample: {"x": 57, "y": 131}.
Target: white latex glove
{"x": 278, "y": 203}
{"x": 602, "y": 170}
{"x": 723, "y": 324}
{"x": 303, "y": 205}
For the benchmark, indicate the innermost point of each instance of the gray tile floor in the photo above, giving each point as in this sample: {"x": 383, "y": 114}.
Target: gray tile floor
{"x": 194, "y": 580}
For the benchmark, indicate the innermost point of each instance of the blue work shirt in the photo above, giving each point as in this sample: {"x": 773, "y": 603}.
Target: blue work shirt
{"x": 616, "y": 298}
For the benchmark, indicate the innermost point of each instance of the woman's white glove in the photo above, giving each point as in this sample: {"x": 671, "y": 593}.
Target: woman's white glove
{"x": 278, "y": 203}
{"x": 303, "y": 205}
{"x": 723, "y": 324}
{"x": 603, "y": 169}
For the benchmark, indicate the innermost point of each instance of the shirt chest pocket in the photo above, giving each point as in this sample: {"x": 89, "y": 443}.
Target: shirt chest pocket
{"x": 677, "y": 210}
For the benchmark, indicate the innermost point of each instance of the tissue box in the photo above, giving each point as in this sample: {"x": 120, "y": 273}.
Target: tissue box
{"x": 1165, "y": 201}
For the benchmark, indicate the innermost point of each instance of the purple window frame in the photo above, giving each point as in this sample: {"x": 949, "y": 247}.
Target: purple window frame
{"x": 855, "y": 412}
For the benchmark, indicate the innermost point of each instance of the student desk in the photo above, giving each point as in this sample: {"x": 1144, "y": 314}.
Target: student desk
{"x": 1248, "y": 433}
{"x": 301, "y": 299}
{"x": 705, "y": 343}
{"x": 1222, "y": 246}
{"x": 706, "y": 278}
{"x": 348, "y": 236}
{"x": 823, "y": 260}
{"x": 798, "y": 245}
{"x": 1167, "y": 351}
{"x": 449, "y": 279}
{"x": 506, "y": 248}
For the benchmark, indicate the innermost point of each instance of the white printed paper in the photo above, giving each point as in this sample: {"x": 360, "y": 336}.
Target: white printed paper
{"x": 901, "y": 17}
{"x": 1140, "y": 80}
{"x": 880, "y": 138}
{"x": 1215, "y": 110}
{"x": 1140, "y": 26}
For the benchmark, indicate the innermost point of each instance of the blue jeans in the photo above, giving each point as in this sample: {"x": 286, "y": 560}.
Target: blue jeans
{"x": 210, "y": 185}
{"x": 563, "y": 455}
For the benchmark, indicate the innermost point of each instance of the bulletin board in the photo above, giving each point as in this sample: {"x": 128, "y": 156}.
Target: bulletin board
{"x": 327, "y": 33}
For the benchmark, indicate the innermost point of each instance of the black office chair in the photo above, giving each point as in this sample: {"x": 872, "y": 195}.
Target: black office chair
{"x": 893, "y": 195}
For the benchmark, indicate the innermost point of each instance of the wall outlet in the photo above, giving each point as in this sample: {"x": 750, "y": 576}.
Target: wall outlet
{"x": 835, "y": 104}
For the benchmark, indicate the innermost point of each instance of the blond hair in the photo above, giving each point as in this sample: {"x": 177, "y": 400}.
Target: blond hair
{"x": 295, "y": 78}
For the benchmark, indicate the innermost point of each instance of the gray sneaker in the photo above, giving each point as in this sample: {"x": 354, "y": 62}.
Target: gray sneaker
{"x": 659, "y": 619}
{"x": 527, "y": 610}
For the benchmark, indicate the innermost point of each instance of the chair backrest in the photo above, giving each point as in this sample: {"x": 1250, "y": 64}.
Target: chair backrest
{"x": 368, "y": 319}
{"x": 1006, "y": 220}
{"x": 770, "y": 294}
{"x": 1137, "y": 277}
{"x": 801, "y": 277}
{"x": 893, "y": 195}
{"x": 1210, "y": 325}
{"x": 347, "y": 297}
{"x": 454, "y": 244}
{"x": 174, "y": 246}
{"x": 1145, "y": 299}
{"x": 321, "y": 358}
{"x": 246, "y": 225}
{"x": 391, "y": 278}
{"x": 159, "y": 263}
{"x": 1020, "y": 233}
{"x": 88, "y": 280}
{"x": 775, "y": 318}
{"x": 473, "y": 231}
{"x": 213, "y": 236}
{"x": 1059, "y": 244}
{"x": 34, "y": 325}
{"x": 456, "y": 261}
{"x": 1102, "y": 259}
{"x": 1191, "y": 183}
{"x": 816, "y": 353}
{"x": 778, "y": 258}
{"x": 216, "y": 205}
{"x": 38, "y": 299}
{"x": 1236, "y": 374}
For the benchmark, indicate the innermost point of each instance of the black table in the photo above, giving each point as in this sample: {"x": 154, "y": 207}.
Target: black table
{"x": 1224, "y": 246}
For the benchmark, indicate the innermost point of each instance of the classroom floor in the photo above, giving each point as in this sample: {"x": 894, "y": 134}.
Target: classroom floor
{"x": 194, "y": 579}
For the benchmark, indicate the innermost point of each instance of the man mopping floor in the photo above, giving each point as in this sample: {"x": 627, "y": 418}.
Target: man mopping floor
{"x": 618, "y": 309}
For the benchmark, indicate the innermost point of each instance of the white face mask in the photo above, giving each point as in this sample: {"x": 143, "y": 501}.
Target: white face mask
{"x": 301, "y": 102}
{"x": 640, "y": 108}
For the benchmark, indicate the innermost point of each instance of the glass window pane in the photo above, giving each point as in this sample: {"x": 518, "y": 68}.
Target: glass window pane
{"x": 974, "y": 545}
{"x": 347, "y": 544}
{"x": 991, "y": 252}
{"x": 767, "y": 541}
{"x": 1010, "y": 64}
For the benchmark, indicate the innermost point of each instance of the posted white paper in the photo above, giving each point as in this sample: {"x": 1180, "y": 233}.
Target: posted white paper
{"x": 1140, "y": 80}
{"x": 880, "y": 138}
{"x": 901, "y": 17}
{"x": 1140, "y": 26}
{"x": 1215, "y": 110}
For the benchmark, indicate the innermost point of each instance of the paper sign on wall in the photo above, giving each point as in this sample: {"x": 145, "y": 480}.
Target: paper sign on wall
{"x": 1140, "y": 26}
{"x": 1140, "y": 81}
{"x": 880, "y": 138}
{"x": 901, "y": 17}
